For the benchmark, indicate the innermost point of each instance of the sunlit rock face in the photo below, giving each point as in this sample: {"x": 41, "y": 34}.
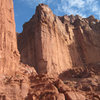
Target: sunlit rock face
{"x": 54, "y": 44}
{"x": 68, "y": 46}
{"x": 43, "y": 42}
{"x": 8, "y": 45}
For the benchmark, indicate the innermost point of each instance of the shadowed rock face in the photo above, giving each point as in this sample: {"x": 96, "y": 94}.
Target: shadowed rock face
{"x": 8, "y": 45}
{"x": 54, "y": 44}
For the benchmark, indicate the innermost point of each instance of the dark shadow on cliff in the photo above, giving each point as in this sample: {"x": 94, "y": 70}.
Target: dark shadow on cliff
{"x": 80, "y": 72}
{"x": 74, "y": 74}
{"x": 76, "y": 50}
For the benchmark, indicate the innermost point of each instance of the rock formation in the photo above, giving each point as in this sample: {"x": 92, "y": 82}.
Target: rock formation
{"x": 42, "y": 43}
{"x": 8, "y": 44}
{"x": 68, "y": 46}
{"x": 54, "y": 44}
{"x": 36, "y": 87}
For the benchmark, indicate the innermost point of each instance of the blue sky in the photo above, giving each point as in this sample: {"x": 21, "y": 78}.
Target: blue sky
{"x": 25, "y": 9}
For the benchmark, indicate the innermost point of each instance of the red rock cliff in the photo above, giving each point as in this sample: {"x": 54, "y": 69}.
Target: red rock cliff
{"x": 42, "y": 43}
{"x": 8, "y": 44}
{"x": 54, "y": 44}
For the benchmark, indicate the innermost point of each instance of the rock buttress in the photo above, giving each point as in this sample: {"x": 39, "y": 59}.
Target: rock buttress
{"x": 42, "y": 43}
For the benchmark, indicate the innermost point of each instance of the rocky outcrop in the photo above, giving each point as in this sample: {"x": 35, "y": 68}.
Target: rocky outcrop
{"x": 30, "y": 86}
{"x": 8, "y": 45}
{"x": 26, "y": 84}
{"x": 54, "y": 44}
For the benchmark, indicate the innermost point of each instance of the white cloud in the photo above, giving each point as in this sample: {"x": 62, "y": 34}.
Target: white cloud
{"x": 81, "y": 7}
{"x": 35, "y": 2}
{"x": 76, "y": 3}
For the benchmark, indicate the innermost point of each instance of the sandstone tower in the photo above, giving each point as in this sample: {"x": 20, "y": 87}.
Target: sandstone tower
{"x": 8, "y": 44}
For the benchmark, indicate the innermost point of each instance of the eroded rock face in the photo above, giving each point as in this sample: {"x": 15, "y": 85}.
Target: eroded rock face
{"x": 54, "y": 44}
{"x": 8, "y": 45}
{"x": 42, "y": 43}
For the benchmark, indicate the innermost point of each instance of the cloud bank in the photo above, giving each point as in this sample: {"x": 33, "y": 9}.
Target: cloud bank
{"x": 83, "y": 8}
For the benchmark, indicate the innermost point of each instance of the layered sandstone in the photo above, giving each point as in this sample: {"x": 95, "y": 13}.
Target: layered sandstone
{"x": 8, "y": 45}
{"x": 54, "y": 44}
